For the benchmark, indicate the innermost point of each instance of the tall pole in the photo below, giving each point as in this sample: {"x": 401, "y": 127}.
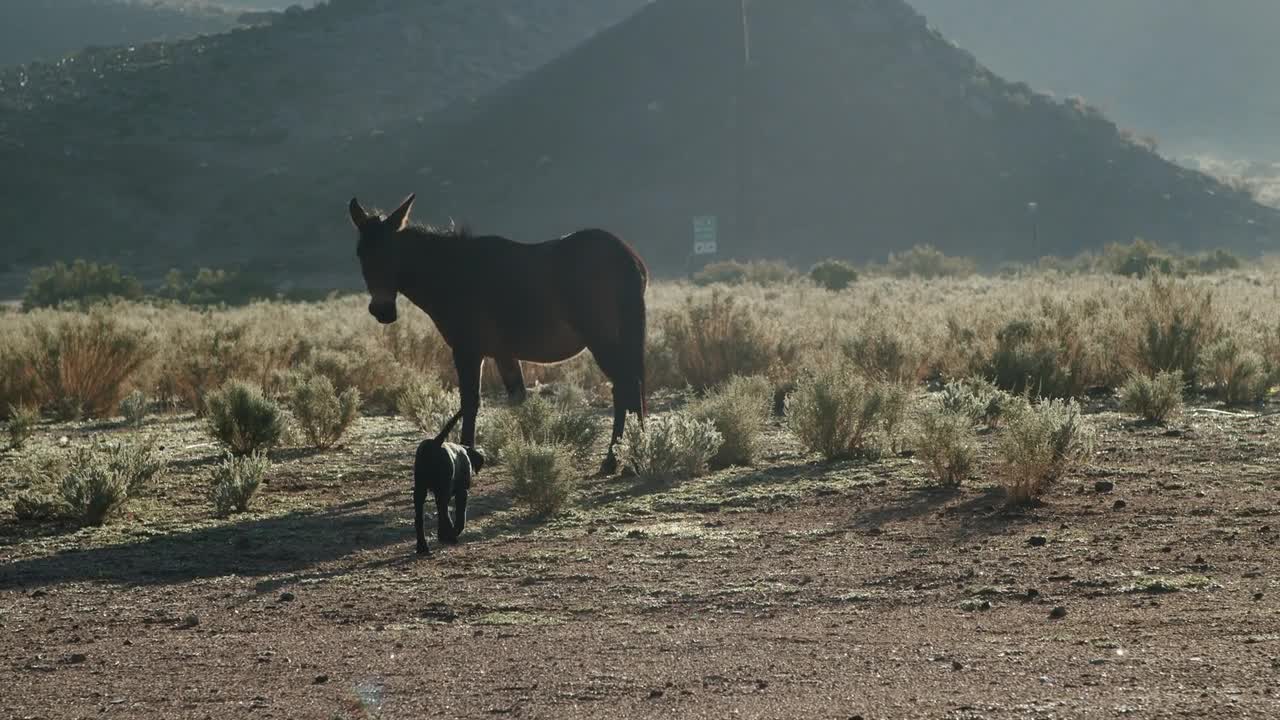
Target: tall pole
{"x": 746, "y": 230}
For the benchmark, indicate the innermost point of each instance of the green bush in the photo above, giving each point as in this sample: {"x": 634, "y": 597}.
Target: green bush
{"x": 429, "y": 405}
{"x": 711, "y": 341}
{"x": 34, "y": 508}
{"x": 321, "y": 412}
{"x": 235, "y": 481}
{"x": 837, "y": 412}
{"x": 1040, "y": 444}
{"x": 669, "y": 447}
{"x": 138, "y": 463}
{"x": 93, "y": 490}
{"x": 21, "y": 425}
{"x": 739, "y": 410}
{"x": 1138, "y": 259}
{"x": 833, "y": 274}
{"x": 1155, "y": 398}
{"x": 947, "y": 445}
{"x": 539, "y": 421}
{"x": 1043, "y": 356}
{"x": 541, "y": 476}
{"x": 885, "y": 354}
{"x": 1175, "y": 322}
{"x": 733, "y": 272}
{"x": 80, "y": 283}
{"x": 242, "y": 418}
{"x": 926, "y": 261}
{"x": 1239, "y": 376}
{"x": 134, "y": 408}
{"x": 976, "y": 398}
{"x": 214, "y": 287}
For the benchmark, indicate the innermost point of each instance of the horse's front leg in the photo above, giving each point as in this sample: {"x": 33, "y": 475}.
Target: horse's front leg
{"x": 468, "y": 366}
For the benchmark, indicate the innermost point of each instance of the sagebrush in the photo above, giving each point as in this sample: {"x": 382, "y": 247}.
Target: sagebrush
{"x": 243, "y": 419}
{"x": 841, "y": 414}
{"x": 670, "y": 447}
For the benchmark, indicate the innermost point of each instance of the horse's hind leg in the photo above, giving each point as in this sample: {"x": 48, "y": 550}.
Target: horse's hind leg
{"x": 512, "y": 378}
{"x": 468, "y": 366}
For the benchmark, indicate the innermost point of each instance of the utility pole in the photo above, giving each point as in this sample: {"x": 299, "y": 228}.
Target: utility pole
{"x": 744, "y": 164}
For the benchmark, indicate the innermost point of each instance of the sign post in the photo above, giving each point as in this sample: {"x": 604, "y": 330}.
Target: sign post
{"x": 705, "y": 235}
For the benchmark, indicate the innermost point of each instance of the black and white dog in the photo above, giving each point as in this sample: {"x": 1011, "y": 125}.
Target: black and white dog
{"x": 443, "y": 469}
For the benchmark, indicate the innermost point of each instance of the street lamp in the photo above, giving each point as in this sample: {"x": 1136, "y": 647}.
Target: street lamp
{"x": 1033, "y": 209}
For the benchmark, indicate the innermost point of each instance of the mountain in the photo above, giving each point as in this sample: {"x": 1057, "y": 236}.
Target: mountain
{"x": 1198, "y": 75}
{"x": 143, "y": 150}
{"x": 860, "y": 131}
{"x": 47, "y": 30}
{"x": 866, "y": 132}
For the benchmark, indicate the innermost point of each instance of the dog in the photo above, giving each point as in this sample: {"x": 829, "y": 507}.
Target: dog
{"x": 443, "y": 469}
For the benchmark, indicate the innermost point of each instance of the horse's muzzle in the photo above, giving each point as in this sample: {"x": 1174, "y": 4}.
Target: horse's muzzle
{"x": 383, "y": 312}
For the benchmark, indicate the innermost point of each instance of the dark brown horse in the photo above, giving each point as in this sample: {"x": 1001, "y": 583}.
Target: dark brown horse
{"x": 494, "y": 298}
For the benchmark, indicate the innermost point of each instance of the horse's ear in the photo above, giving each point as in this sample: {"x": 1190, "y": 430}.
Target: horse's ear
{"x": 398, "y": 219}
{"x": 358, "y": 215}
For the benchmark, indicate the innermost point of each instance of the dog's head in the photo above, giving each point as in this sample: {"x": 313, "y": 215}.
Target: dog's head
{"x": 477, "y": 457}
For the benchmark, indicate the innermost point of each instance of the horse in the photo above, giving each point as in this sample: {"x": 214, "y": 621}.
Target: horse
{"x": 492, "y": 297}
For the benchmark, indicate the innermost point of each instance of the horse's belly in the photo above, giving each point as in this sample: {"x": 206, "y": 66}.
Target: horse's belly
{"x": 553, "y": 345}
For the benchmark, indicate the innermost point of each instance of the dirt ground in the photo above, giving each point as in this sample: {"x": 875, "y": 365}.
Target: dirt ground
{"x": 798, "y": 589}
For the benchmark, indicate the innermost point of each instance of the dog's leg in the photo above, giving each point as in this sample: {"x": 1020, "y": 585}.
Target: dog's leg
{"x": 460, "y": 512}
{"x": 444, "y": 528}
{"x": 419, "y": 500}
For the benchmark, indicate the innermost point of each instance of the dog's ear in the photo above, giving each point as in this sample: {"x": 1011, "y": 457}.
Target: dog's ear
{"x": 477, "y": 457}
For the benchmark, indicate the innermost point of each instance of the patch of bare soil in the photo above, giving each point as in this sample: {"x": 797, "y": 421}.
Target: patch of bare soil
{"x": 1144, "y": 586}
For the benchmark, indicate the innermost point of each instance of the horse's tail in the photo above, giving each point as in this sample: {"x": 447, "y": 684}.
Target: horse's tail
{"x": 633, "y": 333}
{"x": 448, "y": 427}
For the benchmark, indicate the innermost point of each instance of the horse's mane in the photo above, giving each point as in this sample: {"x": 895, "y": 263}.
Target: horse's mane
{"x": 452, "y": 231}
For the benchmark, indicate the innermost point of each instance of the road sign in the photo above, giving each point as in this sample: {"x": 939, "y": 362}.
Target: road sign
{"x": 704, "y": 235}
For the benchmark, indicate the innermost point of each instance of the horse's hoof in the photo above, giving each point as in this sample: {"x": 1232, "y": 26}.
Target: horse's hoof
{"x": 451, "y": 540}
{"x": 424, "y": 550}
{"x": 608, "y": 467}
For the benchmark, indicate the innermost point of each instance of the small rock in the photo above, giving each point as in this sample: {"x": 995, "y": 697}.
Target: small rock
{"x": 1257, "y": 596}
{"x": 636, "y": 534}
{"x": 287, "y": 597}
{"x": 957, "y": 665}
{"x": 1058, "y": 613}
{"x": 1200, "y": 493}
{"x": 1119, "y": 505}
{"x": 38, "y": 593}
{"x": 656, "y": 693}
{"x": 1032, "y": 594}
{"x": 1037, "y": 540}
{"x": 75, "y": 658}
{"x": 1104, "y": 486}
{"x": 320, "y": 680}
{"x": 190, "y": 621}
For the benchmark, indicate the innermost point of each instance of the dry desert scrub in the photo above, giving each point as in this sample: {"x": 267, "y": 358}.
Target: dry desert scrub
{"x": 1155, "y": 398}
{"x": 1042, "y": 442}
{"x": 841, "y": 414}
{"x": 1060, "y": 333}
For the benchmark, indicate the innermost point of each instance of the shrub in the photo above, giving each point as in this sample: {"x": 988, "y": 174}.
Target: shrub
{"x": 21, "y": 425}
{"x": 80, "y": 363}
{"x": 1239, "y": 376}
{"x": 1139, "y": 258}
{"x": 134, "y": 408}
{"x": 137, "y": 463}
{"x": 977, "y": 399}
{"x": 947, "y": 445}
{"x": 885, "y": 354}
{"x": 81, "y": 282}
{"x": 669, "y": 447}
{"x": 537, "y": 420}
{"x": 739, "y": 410}
{"x": 1043, "y": 356}
{"x": 33, "y": 508}
{"x": 1153, "y": 398}
{"x": 733, "y": 272}
{"x": 242, "y": 418}
{"x": 235, "y": 481}
{"x": 1174, "y": 323}
{"x": 322, "y": 413}
{"x": 541, "y": 476}
{"x": 214, "y": 287}
{"x": 93, "y": 490}
{"x": 1214, "y": 261}
{"x": 926, "y": 261}
{"x": 1041, "y": 443}
{"x": 833, "y": 274}
{"x": 714, "y": 340}
{"x": 203, "y": 358}
{"x": 428, "y": 404}
{"x": 841, "y": 414}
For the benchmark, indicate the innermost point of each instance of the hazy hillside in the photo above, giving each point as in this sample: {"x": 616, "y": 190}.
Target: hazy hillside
{"x": 1199, "y": 75}
{"x": 46, "y": 30}
{"x": 150, "y": 146}
{"x": 870, "y": 133}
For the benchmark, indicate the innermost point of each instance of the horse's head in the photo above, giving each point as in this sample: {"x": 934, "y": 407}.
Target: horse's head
{"x": 380, "y": 257}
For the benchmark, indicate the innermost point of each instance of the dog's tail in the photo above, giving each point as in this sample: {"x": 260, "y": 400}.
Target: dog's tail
{"x": 448, "y": 427}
